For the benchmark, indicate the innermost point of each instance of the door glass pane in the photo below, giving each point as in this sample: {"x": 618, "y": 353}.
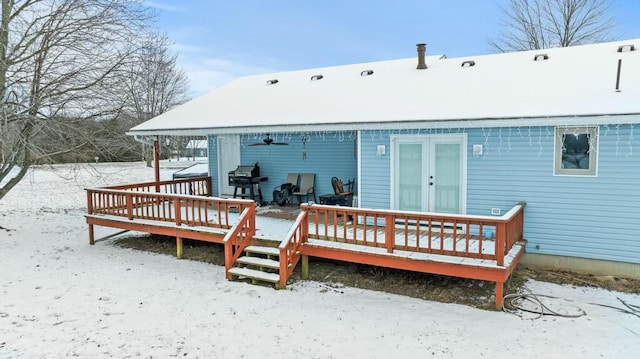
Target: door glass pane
{"x": 410, "y": 177}
{"x": 447, "y": 178}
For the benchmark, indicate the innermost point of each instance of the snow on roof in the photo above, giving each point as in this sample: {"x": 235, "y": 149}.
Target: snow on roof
{"x": 574, "y": 81}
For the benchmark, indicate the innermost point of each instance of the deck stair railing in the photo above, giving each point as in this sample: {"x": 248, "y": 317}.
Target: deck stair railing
{"x": 239, "y": 237}
{"x": 290, "y": 247}
{"x": 483, "y": 237}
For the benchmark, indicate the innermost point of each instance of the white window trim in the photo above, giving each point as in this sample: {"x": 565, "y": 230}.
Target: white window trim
{"x": 593, "y": 152}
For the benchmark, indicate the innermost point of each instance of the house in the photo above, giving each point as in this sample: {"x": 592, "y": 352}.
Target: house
{"x": 558, "y": 129}
{"x": 196, "y": 148}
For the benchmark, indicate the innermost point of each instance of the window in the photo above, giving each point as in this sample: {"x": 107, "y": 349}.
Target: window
{"x": 576, "y": 151}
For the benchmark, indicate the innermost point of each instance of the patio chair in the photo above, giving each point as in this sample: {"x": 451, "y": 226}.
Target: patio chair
{"x": 306, "y": 187}
{"x": 343, "y": 191}
{"x": 282, "y": 192}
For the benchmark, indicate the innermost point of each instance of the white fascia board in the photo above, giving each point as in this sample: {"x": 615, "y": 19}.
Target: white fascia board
{"x": 400, "y": 125}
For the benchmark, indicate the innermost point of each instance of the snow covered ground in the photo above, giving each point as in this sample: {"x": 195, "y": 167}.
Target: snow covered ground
{"x": 60, "y": 297}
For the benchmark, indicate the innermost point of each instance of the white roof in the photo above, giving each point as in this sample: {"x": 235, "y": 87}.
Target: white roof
{"x": 574, "y": 81}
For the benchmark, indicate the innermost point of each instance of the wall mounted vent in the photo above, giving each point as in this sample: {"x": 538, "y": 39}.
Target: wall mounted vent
{"x": 626, "y": 48}
{"x": 468, "y": 63}
{"x": 541, "y": 57}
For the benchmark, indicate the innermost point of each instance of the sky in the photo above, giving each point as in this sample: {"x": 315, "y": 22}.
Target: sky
{"x": 220, "y": 40}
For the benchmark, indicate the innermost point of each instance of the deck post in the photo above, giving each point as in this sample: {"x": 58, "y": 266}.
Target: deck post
{"x": 179, "y": 247}
{"x": 178, "y": 209}
{"x": 209, "y": 187}
{"x": 92, "y": 240}
{"x": 501, "y": 234}
{"x": 499, "y": 294}
{"x": 90, "y": 211}
{"x": 305, "y": 267}
{"x": 156, "y": 161}
{"x": 304, "y": 225}
{"x": 128, "y": 198}
{"x": 389, "y": 232}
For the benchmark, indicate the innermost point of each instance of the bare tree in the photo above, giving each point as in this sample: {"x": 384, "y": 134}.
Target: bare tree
{"x": 538, "y": 24}
{"x": 155, "y": 84}
{"x": 59, "y": 59}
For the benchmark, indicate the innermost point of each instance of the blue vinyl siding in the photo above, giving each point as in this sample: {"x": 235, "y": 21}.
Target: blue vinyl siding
{"x": 327, "y": 155}
{"x": 213, "y": 163}
{"x": 375, "y": 184}
{"x": 592, "y": 217}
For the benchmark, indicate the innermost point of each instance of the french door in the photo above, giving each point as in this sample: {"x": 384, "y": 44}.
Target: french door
{"x": 429, "y": 173}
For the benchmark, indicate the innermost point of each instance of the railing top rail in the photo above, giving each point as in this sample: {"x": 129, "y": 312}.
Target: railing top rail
{"x": 170, "y": 195}
{"x": 149, "y": 184}
{"x": 291, "y": 231}
{"x": 243, "y": 215}
{"x": 504, "y": 218}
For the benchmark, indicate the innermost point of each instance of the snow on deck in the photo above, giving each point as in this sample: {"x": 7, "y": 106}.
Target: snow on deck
{"x": 350, "y": 237}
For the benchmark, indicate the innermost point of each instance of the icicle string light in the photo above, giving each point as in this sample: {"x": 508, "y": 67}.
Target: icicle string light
{"x": 503, "y": 143}
{"x": 630, "y": 153}
{"x": 617, "y": 139}
{"x": 540, "y": 141}
{"x": 500, "y": 141}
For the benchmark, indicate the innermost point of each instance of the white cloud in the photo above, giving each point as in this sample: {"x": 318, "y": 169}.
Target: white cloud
{"x": 207, "y": 70}
{"x": 206, "y": 74}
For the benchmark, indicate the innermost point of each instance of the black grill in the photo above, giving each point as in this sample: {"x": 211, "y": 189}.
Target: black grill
{"x": 247, "y": 178}
{"x": 244, "y": 175}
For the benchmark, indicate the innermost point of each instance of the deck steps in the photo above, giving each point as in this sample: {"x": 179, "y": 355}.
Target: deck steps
{"x": 259, "y": 264}
{"x": 254, "y": 275}
{"x": 268, "y": 251}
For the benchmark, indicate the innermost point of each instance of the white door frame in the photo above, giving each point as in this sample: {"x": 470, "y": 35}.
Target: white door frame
{"x": 228, "y": 159}
{"x": 425, "y": 139}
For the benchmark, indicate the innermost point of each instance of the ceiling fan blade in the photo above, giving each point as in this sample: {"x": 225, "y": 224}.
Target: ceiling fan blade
{"x": 280, "y": 143}
{"x": 258, "y": 144}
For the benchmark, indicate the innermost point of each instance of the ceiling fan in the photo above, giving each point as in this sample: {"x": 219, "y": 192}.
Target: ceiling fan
{"x": 268, "y": 141}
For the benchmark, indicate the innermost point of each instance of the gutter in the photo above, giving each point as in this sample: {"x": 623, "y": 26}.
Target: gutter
{"x": 579, "y": 120}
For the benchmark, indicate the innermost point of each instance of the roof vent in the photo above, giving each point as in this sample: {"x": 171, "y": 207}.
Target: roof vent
{"x": 366, "y": 73}
{"x": 316, "y": 77}
{"x": 272, "y": 82}
{"x": 626, "y": 48}
{"x": 422, "y": 49}
{"x": 541, "y": 57}
{"x": 468, "y": 63}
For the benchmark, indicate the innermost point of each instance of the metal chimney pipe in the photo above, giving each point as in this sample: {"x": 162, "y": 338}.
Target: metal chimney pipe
{"x": 422, "y": 49}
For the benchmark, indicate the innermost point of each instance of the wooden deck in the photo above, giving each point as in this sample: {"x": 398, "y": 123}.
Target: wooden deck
{"x": 479, "y": 247}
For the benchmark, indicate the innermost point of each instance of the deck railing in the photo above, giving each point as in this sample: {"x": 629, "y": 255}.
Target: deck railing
{"x": 180, "y": 209}
{"x": 290, "y": 247}
{"x": 198, "y": 186}
{"x": 483, "y": 237}
{"x": 236, "y": 240}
